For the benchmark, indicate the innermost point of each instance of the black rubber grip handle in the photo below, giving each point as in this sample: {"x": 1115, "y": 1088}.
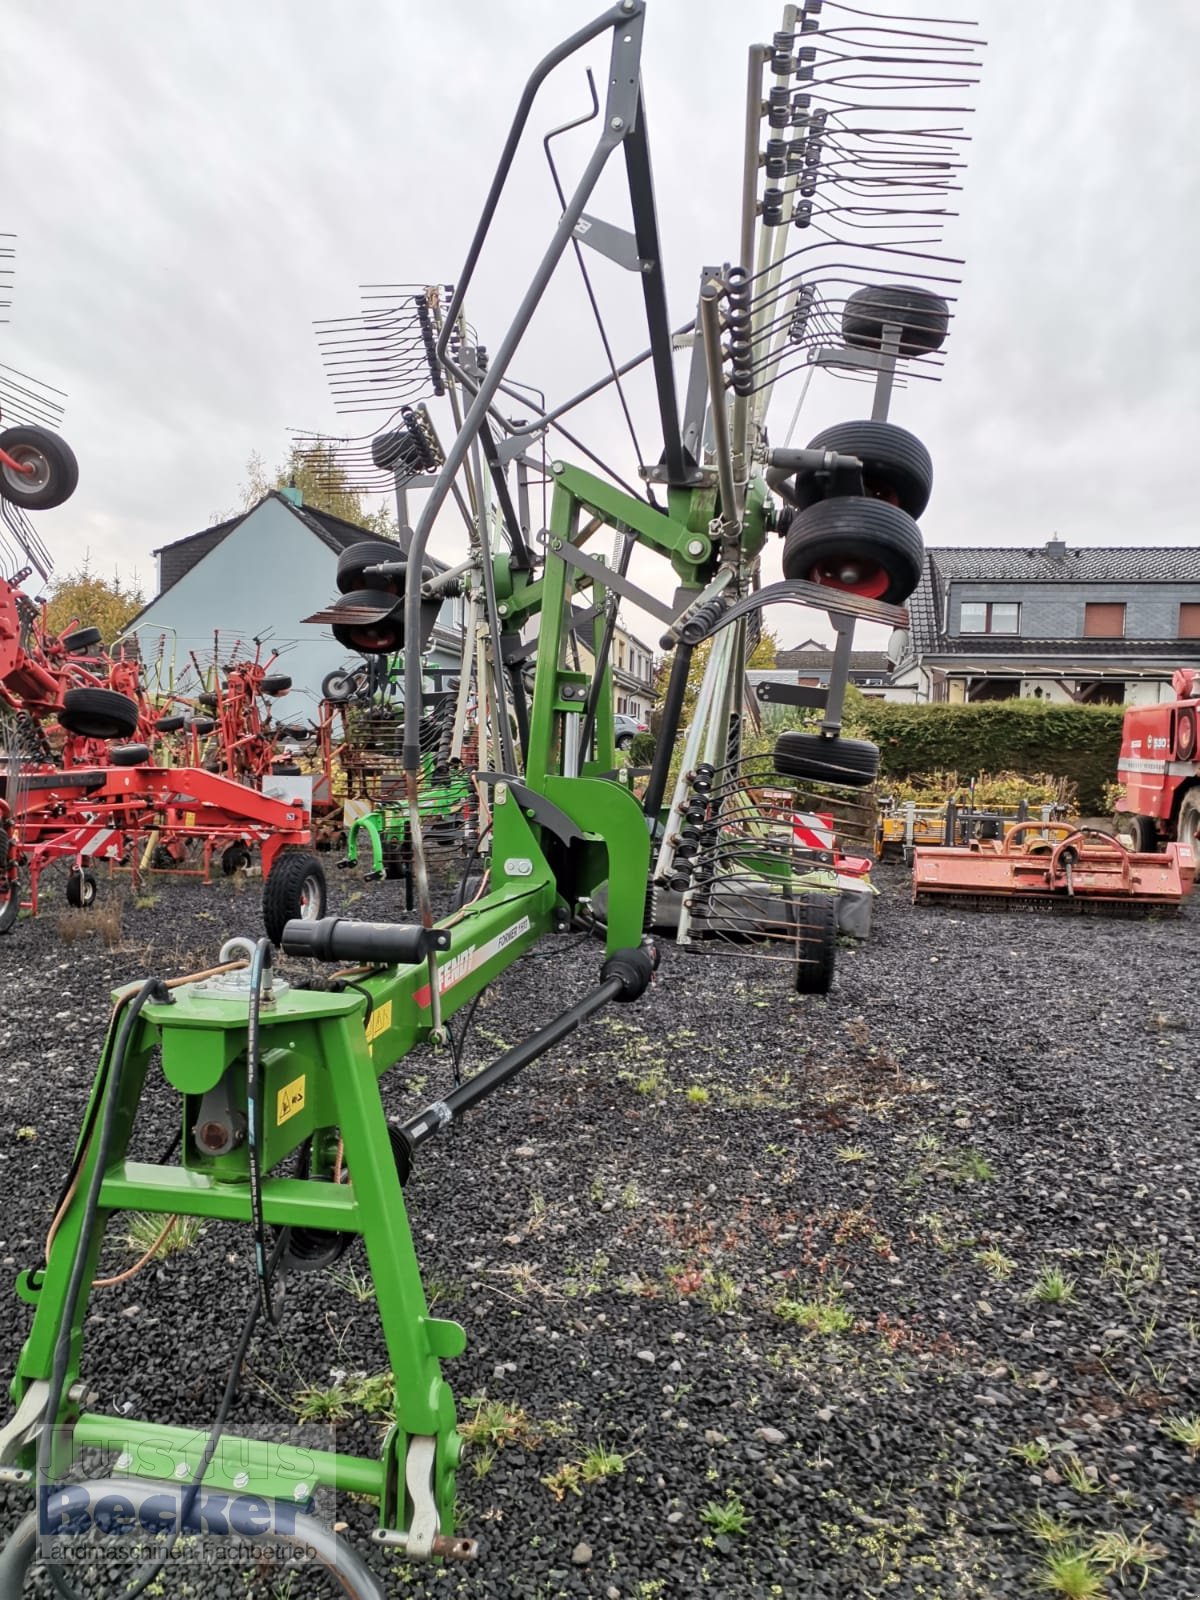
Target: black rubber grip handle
{"x": 380, "y": 944}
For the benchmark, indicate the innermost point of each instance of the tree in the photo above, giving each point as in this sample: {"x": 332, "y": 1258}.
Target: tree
{"x": 322, "y": 480}
{"x": 84, "y": 599}
{"x": 761, "y": 659}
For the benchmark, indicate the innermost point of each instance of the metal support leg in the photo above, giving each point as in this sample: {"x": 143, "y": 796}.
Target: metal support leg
{"x": 839, "y": 674}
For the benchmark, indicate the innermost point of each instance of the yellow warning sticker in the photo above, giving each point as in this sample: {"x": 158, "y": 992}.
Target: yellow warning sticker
{"x": 379, "y": 1021}
{"x": 289, "y": 1100}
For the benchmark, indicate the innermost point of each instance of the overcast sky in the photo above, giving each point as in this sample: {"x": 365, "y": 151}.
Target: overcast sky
{"x": 193, "y": 183}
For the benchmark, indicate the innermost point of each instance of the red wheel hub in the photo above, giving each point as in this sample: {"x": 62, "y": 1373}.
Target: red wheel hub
{"x": 852, "y": 574}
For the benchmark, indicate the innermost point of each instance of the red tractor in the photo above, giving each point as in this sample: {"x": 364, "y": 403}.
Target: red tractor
{"x": 1159, "y": 769}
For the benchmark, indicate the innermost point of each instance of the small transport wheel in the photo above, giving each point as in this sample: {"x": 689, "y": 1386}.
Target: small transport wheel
{"x": 99, "y": 714}
{"x": 201, "y": 726}
{"x": 1143, "y": 831}
{"x": 81, "y": 888}
{"x": 378, "y": 627}
{"x": 862, "y": 546}
{"x": 234, "y": 858}
{"x": 816, "y": 941}
{"x": 169, "y": 724}
{"x": 54, "y": 470}
{"x": 353, "y": 563}
{"x": 82, "y": 639}
{"x": 623, "y": 741}
{"x": 278, "y": 683}
{"x": 896, "y": 466}
{"x": 295, "y": 887}
{"x": 854, "y": 762}
{"x": 923, "y": 316}
{"x": 339, "y": 685}
{"x": 129, "y": 755}
{"x": 208, "y": 701}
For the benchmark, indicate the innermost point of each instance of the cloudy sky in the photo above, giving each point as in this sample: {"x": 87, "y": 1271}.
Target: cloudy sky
{"x": 193, "y": 183}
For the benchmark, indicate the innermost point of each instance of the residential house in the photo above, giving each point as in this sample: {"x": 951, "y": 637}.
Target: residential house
{"x": 810, "y": 664}
{"x": 1090, "y": 625}
{"x": 630, "y": 660}
{"x": 253, "y": 577}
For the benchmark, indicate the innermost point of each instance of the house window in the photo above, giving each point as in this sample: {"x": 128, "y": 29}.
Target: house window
{"x": 994, "y": 616}
{"x": 1104, "y": 619}
{"x": 1189, "y": 621}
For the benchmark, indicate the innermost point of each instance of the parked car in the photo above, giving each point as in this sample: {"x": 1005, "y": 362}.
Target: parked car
{"x": 625, "y": 728}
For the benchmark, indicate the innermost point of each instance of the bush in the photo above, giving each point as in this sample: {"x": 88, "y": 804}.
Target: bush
{"x": 1027, "y": 737}
{"x": 641, "y": 751}
{"x": 999, "y": 790}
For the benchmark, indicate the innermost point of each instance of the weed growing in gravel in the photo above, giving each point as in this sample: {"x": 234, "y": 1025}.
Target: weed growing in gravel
{"x": 1184, "y": 1431}
{"x": 26, "y": 1133}
{"x": 720, "y": 1292}
{"x": 496, "y": 1424}
{"x": 956, "y": 1165}
{"x": 696, "y": 1094}
{"x": 631, "y": 1197}
{"x": 322, "y": 1405}
{"x": 1084, "y": 1480}
{"x": 1045, "y": 1528}
{"x": 996, "y": 1264}
{"x": 1053, "y": 1287}
{"x": 730, "y": 1517}
{"x": 823, "y": 1313}
{"x": 142, "y": 1235}
{"x": 1034, "y": 1452}
{"x": 1118, "y": 1554}
{"x": 1131, "y": 1270}
{"x": 1071, "y": 1574}
{"x": 357, "y": 1285}
{"x": 596, "y": 1464}
{"x": 851, "y": 1152}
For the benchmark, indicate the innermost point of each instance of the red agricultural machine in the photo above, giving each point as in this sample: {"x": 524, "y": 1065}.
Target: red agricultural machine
{"x": 1054, "y": 866}
{"x": 77, "y": 780}
{"x": 1159, "y": 769}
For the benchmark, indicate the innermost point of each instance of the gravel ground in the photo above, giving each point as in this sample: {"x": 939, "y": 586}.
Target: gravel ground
{"x": 891, "y": 1293}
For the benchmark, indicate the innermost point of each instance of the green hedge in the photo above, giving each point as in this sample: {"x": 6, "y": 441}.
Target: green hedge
{"x": 1080, "y": 743}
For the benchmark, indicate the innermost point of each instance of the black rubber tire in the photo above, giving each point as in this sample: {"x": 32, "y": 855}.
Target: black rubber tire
{"x": 862, "y": 546}
{"x": 58, "y": 470}
{"x": 284, "y": 769}
{"x": 816, "y": 942}
{"x": 201, "y": 726}
{"x": 10, "y": 905}
{"x": 99, "y": 714}
{"x": 852, "y": 762}
{"x": 170, "y": 724}
{"x": 352, "y": 565}
{"x": 339, "y": 686}
{"x": 82, "y": 639}
{"x": 923, "y": 315}
{"x": 382, "y": 637}
{"x": 293, "y": 730}
{"x": 235, "y": 858}
{"x": 129, "y": 755}
{"x": 623, "y": 741}
{"x": 208, "y": 701}
{"x": 896, "y": 465}
{"x": 295, "y": 887}
{"x": 277, "y": 683}
{"x": 81, "y": 889}
{"x": 1144, "y": 833}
